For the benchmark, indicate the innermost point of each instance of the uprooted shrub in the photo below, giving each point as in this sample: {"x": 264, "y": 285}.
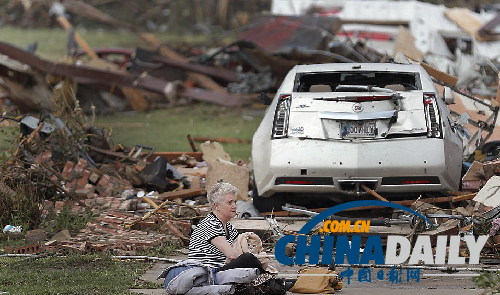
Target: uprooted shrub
{"x": 22, "y": 192}
{"x": 26, "y": 180}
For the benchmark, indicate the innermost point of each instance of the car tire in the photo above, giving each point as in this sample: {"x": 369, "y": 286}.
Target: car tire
{"x": 268, "y": 204}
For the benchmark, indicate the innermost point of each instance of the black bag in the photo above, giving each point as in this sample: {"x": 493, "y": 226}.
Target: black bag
{"x": 267, "y": 283}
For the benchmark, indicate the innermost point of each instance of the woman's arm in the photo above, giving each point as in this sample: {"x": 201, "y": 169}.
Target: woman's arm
{"x": 223, "y": 245}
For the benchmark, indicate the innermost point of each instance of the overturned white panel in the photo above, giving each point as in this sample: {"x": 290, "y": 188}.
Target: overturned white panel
{"x": 489, "y": 195}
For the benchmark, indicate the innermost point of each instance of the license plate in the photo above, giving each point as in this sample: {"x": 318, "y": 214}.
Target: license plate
{"x": 357, "y": 129}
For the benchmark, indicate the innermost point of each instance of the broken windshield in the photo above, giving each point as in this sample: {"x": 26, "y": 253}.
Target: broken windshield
{"x": 340, "y": 81}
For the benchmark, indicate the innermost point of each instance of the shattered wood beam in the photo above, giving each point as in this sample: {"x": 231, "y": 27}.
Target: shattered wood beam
{"x": 111, "y": 153}
{"x": 170, "y": 156}
{"x": 466, "y": 20}
{"x": 88, "y": 11}
{"x": 221, "y": 139}
{"x": 63, "y": 21}
{"x": 217, "y": 73}
{"x": 439, "y": 75}
{"x": 202, "y": 80}
{"x": 185, "y": 193}
{"x": 373, "y": 193}
{"x": 83, "y": 74}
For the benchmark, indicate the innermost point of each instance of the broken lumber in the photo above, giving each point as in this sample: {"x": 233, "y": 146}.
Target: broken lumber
{"x": 221, "y": 139}
{"x": 170, "y": 156}
{"x": 201, "y": 79}
{"x": 217, "y": 73}
{"x": 373, "y": 193}
{"x": 466, "y": 20}
{"x": 88, "y": 11}
{"x": 182, "y": 194}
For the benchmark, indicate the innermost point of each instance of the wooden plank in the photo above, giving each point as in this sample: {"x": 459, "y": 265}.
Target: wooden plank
{"x": 214, "y": 72}
{"x": 185, "y": 193}
{"x": 439, "y": 75}
{"x": 221, "y": 139}
{"x": 466, "y": 20}
{"x": 170, "y": 156}
{"x": 135, "y": 98}
{"x": 201, "y": 79}
{"x": 373, "y": 193}
{"x": 405, "y": 43}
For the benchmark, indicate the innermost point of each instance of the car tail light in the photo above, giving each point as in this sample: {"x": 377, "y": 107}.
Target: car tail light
{"x": 432, "y": 117}
{"x": 304, "y": 180}
{"x": 410, "y": 180}
{"x": 280, "y": 125}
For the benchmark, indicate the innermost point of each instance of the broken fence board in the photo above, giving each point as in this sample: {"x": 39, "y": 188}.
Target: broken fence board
{"x": 466, "y": 20}
{"x": 170, "y": 156}
{"x": 217, "y": 73}
{"x": 185, "y": 193}
{"x": 201, "y": 79}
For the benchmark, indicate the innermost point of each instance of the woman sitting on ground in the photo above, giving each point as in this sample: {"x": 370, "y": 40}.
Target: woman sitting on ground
{"x": 212, "y": 239}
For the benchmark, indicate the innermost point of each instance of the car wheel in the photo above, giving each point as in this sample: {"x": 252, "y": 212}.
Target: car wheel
{"x": 268, "y": 204}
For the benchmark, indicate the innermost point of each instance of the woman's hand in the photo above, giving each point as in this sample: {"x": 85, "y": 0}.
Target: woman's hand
{"x": 224, "y": 246}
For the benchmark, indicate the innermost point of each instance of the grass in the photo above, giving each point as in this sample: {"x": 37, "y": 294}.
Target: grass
{"x": 74, "y": 274}
{"x": 52, "y": 42}
{"x": 166, "y": 130}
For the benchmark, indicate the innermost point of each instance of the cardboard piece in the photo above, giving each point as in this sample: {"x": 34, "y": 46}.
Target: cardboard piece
{"x": 213, "y": 150}
{"x": 474, "y": 178}
{"x": 489, "y": 195}
{"x": 226, "y": 171}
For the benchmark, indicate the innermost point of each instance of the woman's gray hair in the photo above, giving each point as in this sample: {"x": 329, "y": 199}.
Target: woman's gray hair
{"x": 218, "y": 191}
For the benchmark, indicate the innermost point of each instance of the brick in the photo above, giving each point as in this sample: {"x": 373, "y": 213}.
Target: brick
{"x": 491, "y": 168}
{"x": 48, "y": 205}
{"x": 93, "y": 178}
{"x": 100, "y": 201}
{"x": 68, "y": 168}
{"x": 71, "y": 185}
{"x": 105, "y": 179}
{"x": 79, "y": 167}
{"x": 87, "y": 190}
{"x": 53, "y": 178}
{"x": 29, "y": 249}
{"x": 90, "y": 202}
{"x": 59, "y": 205}
{"x": 82, "y": 181}
{"x": 107, "y": 192}
{"x": 45, "y": 157}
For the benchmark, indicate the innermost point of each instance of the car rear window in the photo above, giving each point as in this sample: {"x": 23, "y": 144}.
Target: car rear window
{"x": 327, "y": 82}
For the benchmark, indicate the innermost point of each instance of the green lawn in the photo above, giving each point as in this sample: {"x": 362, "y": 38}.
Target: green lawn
{"x": 167, "y": 129}
{"x": 52, "y": 42}
{"x": 74, "y": 274}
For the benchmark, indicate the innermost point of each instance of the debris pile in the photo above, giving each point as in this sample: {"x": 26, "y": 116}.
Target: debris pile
{"x": 138, "y": 198}
{"x": 141, "y": 199}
